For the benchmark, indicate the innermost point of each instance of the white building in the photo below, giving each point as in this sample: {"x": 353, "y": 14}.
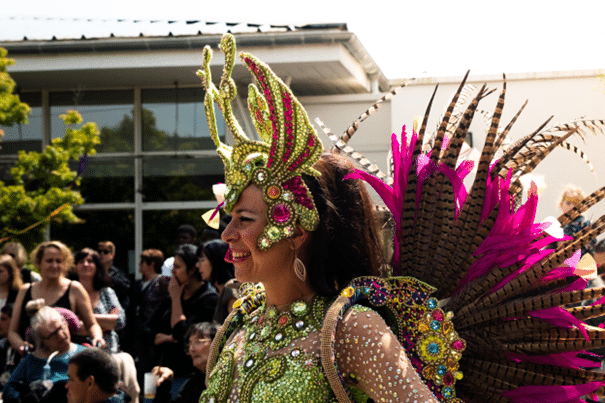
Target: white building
{"x": 156, "y": 165}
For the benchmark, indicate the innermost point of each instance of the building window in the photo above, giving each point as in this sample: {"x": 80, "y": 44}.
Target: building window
{"x": 112, "y": 111}
{"x": 27, "y": 137}
{"x": 174, "y": 120}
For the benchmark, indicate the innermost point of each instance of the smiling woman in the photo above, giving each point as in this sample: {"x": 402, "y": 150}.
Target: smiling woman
{"x": 302, "y": 232}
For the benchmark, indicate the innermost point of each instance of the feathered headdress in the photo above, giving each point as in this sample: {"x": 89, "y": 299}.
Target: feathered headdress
{"x": 288, "y": 149}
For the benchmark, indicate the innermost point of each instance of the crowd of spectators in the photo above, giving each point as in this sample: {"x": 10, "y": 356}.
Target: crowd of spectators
{"x": 76, "y": 328}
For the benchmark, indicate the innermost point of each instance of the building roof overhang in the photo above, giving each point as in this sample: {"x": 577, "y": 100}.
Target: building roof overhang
{"x": 315, "y": 59}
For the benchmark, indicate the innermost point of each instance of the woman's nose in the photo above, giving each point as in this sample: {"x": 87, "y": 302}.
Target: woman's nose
{"x": 229, "y": 234}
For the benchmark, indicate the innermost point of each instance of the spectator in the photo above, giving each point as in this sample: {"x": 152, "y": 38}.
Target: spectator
{"x": 571, "y": 196}
{"x": 7, "y": 354}
{"x": 17, "y": 251}
{"x": 94, "y": 377}
{"x": 10, "y": 280}
{"x": 185, "y": 235}
{"x": 53, "y": 260}
{"x": 145, "y": 297}
{"x": 46, "y": 367}
{"x": 107, "y": 309}
{"x": 119, "y": 281}
{"x": 190, "y": 301}
{"x": 213, "y": 268}
{"x": 199, "y": 339}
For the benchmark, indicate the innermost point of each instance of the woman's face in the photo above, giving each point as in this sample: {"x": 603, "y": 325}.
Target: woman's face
{"x": 51, "y": 265}
{"x": 249, "y": 218}
{"x": 4, "y": 275}
{"x": 55, "y": 336}
{"x": 204, "y": 266}
{"x": 86, "y": 268}
{"x": 179, "y": 270}
{"x": 199, "y": 349}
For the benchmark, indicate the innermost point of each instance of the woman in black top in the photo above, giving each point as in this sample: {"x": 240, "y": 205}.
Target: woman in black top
{"x": 190, "y": 301}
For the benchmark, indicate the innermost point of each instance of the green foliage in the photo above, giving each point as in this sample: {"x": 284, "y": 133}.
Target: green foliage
{"x": 43, "y": 182}
{"x": 12, "y": 110}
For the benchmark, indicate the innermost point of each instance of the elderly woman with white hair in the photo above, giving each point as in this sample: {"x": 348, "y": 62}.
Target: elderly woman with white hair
{"x": 48, "y": 363}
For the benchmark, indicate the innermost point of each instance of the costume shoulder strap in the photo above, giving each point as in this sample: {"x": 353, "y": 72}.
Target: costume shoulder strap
{"x": 422, "y": 328}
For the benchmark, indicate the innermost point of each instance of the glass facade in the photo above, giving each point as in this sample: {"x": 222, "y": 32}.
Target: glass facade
{"x": 174, "y": 119}
{"x": 27, "y": 137}
{"x": 147, "y": 177}
{"x": 112, "y": 111}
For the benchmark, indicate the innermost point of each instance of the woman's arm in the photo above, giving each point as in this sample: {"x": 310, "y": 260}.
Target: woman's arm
{"x": 370, "y": 353}
{"x": 84, "y": 312}
{"x": 113, "y": 316}
{"x": 13, "y": 331}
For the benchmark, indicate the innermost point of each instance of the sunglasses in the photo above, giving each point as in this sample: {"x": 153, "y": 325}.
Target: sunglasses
{"x": 104, "y": 251}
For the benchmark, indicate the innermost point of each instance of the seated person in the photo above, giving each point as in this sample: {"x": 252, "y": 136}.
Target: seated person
{"x": 47, "y": 365}
{"x": 199, "y": 339}
{"x": 93, "y": 378}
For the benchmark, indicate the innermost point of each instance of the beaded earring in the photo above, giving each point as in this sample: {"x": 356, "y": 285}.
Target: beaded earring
{"x": 289, "y": 147}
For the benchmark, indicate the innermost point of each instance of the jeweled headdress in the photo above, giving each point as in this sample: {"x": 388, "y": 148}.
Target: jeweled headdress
{"x": 289, "y": 145}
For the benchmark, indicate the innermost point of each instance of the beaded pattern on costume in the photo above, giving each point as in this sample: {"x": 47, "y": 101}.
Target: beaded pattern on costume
{"x": 289, "y": 145}
{"x": 267, "y": 353}
{"x": 425, "y": 331}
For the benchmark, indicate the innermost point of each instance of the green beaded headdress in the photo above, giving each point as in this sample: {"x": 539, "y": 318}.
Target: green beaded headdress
{"x": 289, "y": 145}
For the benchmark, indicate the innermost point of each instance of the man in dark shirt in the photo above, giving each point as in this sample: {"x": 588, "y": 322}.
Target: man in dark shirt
{"x": 119, "y": 281}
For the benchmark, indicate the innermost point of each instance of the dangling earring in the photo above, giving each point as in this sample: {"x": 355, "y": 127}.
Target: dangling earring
{"x": 300, "y": 270}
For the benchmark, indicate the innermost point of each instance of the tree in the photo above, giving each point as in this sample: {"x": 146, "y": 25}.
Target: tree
{"x": 12, "y": 110}
{"x": 43, "y": 183}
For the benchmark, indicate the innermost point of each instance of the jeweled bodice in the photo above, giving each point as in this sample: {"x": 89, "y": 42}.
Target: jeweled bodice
{"x": 273, "y": 356}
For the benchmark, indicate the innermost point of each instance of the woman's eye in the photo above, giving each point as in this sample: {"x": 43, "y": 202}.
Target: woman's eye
{"x": 242, "y": 218}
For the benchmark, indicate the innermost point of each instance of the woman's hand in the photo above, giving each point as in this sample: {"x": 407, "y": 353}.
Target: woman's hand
{"x": 99, "y": 342}
{"x": 162, "y": 338}
{"x": 175, "y": 289}
{"x": 163, "y": 374}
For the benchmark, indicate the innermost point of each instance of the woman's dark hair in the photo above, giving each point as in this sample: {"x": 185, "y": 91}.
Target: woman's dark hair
{"x": 15, "y": 282}
{"x": 346, "y": 244}
{"x": 215, "y": 251}
{"x": 101, "y": 278}
{"x": 188, "y": 253}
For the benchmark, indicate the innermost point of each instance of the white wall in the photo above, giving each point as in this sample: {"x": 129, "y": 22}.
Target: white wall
{"x": 566, "y": 95}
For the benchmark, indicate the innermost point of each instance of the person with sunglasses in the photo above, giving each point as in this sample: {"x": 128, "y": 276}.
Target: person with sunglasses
{"x": 119, "y": 281}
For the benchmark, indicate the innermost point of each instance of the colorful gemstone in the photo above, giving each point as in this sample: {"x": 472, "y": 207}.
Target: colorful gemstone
{"x": 299, "y": 324}
{"x": 423, "y": 327}
{"x": 432, "y": 303}
{"x": 448, "y": 392}
{"x": 448, "y": 379}
{"x": 299, "y": 308}
{"x": 273, "y": 233}
{"x": 273, "y": 191}
{"x": 295, "y": 353}
{"x": 441, "y": 370}
{"x": 249, "y": 363}
{"x": 261, "y": 176}
{"x": 438, "y": 315}
{"x": 348, "y": 292}
{"x": 433, "y": 348}
{"x": 459, "y": 344}
{"x": 282, "y": 320}
{"x": 279, "y": 337}
{"x": 435, "y": 325}
{"x": 281, "y": 213}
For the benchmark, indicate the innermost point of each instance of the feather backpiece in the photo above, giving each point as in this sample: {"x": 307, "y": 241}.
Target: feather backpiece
{"x": 515, "y": 303}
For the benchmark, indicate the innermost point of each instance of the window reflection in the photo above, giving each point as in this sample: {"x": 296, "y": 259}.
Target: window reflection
{"x": 112, "y": 111}
{"x": 174, "y": 119}
{"x": 27, "y": 137}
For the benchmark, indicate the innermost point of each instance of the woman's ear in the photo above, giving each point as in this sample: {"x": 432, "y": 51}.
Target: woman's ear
{"x": 299, "y": 238}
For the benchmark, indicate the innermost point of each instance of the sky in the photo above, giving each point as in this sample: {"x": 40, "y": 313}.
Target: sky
{"x": 405, "y": 38}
